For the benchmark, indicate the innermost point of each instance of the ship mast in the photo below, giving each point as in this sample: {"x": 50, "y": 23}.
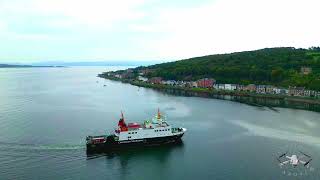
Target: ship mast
{"x": 159, "y": 115}
{"x": 122, "y": 124}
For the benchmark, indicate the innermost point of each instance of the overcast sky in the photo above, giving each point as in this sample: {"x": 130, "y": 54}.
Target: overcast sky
{"x": 94, "y": 30}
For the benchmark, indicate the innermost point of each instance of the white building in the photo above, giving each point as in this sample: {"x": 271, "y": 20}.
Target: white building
{"x": 118, "y": 76}
{"x": 234, "y": 87}
{"x": 141, "y": 78}
{"x": 194, "y": 84}
{"x": 169, "y": 82}
{"x": 227, "y": 86}
{"x": 219, "y": 86}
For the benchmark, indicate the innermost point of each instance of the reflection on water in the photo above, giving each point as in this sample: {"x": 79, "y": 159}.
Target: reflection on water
{"x": 139, "y": 150}
{"x": 160, "y": 153}
{"x": 143, "y": 157}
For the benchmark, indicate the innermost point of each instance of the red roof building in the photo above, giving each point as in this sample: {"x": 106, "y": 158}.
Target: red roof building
{"x": 155, "y": 80}
{"x": 206, "y": 83}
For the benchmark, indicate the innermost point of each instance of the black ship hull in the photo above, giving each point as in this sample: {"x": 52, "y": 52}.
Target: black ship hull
{"x": 112, "y": 145}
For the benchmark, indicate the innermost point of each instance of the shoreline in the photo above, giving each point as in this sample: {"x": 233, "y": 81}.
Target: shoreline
{"x": 261, "y": 100}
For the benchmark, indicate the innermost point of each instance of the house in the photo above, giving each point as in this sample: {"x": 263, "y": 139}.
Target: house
{"x": 141, "y": 78}
{"x": 145, "y": 71}
{"x": 234, "y": 87}
{"x": 205, "y": 83}
{"x": 181, "y": 83}
{"x": 188, "y": 84}
{"x": 155, "y": 80}
{"x": 230, "y": 87}
{"x": 169, "y": 82}
{"x": 261, "y": 89}
{"x": 313, "y": 93}
{"x": 280, "y": 91}
{"x": 240, "y": 87}
{"x": 269, "y": 89}
{"x": 219, "y": 86}
{"x": 251, "y": 88}
{"x": 307, "y": 93}
{"x": 127, "y": 75}
{"x": 296, "y": 91}
{"x": 118, "y": 76}
{"x": 227, "y": 87}
{"x": 191, "y": 84}
{"x": 194, "y": 84}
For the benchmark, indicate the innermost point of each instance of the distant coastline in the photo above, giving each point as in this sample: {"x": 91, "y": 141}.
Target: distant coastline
{"x": 25, "y": 66}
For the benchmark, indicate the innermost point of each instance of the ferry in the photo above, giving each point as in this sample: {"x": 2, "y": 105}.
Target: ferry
{"x": 151, "y": 132}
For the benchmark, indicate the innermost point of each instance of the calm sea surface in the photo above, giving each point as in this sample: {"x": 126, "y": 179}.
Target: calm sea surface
{"x": 46, "y": 113}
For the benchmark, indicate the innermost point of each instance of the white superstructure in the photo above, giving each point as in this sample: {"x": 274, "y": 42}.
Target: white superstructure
{"x": 155, "y": 128}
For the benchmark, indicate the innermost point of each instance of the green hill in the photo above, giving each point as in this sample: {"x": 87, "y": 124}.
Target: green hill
{"x": 276, "y": 66}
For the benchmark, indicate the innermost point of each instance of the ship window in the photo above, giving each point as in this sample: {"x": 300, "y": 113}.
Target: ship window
{"x": 129, "y": 133}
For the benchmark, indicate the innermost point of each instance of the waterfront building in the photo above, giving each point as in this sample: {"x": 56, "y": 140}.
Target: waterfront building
{"x": 261, "y": 89}
{"x": 206, "y": 83}
{"x": 280, "y": 91}
{"x": 296, "y": 91}
{"x": 227, "y": 87}
{"x": 230, "y": 87}
{"x": 234, "y": 87}
{"x": 240, "y": 87}
{"x": 219, "y": 86}
{"x": 269, "y": 89}
{"x": 194, "y": 84}
{"x": 155, "y": 80}
{"x": 169, "y": 82}
{"x": 141, "y": 78}
{"x": 118, "y": 76}
{"x": 251, "y": 88}
{"x": 307, "y": 93}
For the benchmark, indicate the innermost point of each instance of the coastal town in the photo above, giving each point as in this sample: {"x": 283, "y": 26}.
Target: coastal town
{"x": 211, "y": 83}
